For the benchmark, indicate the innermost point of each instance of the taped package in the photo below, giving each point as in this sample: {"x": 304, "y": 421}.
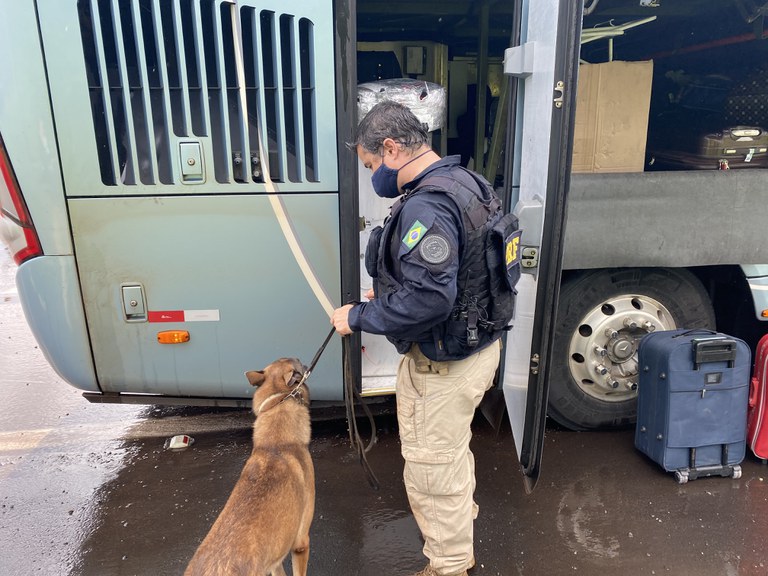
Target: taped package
{"x": 426, "y": 100}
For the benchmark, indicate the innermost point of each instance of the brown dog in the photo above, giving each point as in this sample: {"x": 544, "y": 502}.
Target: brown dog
{"x": 271, "y": 506}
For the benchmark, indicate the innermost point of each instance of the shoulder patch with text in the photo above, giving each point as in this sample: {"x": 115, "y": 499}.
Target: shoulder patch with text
{"x": 435, "y": 249}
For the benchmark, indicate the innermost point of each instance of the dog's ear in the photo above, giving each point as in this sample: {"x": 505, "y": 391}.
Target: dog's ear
{"x": 255, "y": 377}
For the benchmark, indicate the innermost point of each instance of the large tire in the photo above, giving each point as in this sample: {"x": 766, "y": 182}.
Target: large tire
{"x": 602, "y": 315}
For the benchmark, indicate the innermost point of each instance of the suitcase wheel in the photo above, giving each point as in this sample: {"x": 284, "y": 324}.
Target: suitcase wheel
{"x": 737, "y": 471}
{"x": 681, "y": 476}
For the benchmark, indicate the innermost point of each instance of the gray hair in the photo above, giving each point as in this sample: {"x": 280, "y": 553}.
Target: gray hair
{"x": 389, "y": 120}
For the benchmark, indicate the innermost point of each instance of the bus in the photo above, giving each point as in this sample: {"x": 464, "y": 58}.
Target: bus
{"x": 178, "y": 195}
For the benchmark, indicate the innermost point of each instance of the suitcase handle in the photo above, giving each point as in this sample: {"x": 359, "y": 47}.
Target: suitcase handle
{"x": 753, "y": 390}
{"x": 715, "y": 350}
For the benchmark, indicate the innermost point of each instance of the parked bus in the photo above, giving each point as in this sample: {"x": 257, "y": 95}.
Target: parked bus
{"x": 178, "y": 196}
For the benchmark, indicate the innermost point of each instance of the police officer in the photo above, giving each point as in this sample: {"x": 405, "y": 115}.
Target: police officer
{"x": 415, "y": 262}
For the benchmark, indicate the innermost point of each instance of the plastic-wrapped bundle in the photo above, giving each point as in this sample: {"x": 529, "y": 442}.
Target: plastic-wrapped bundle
{"x": 425, "y": 99}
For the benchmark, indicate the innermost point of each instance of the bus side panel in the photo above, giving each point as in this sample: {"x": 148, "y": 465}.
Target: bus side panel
{"x": 193, "y": 143}
{"x": 219, "y": 267}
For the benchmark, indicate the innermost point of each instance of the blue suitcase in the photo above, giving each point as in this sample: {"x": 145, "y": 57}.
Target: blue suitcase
{"x": 692, "y": 400}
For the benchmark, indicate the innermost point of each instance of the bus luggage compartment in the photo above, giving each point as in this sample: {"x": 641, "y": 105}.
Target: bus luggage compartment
{"x": 734, "y": 147}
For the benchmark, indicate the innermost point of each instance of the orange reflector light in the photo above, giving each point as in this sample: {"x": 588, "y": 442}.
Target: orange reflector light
{"x": 173, "y": 337}
{"x": 764, "y": 314}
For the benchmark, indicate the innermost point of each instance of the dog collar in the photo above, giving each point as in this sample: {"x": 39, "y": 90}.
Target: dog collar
{"x": 292, "y": 394}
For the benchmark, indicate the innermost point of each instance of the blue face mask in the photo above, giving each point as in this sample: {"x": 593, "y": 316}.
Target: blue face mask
{"x": 384, "y": 182}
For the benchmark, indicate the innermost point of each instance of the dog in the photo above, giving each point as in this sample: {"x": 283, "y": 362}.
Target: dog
{"x": 270, "y": 510}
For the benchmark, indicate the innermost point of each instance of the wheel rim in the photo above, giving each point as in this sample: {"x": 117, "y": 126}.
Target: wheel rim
{"x": 602, "y": 355}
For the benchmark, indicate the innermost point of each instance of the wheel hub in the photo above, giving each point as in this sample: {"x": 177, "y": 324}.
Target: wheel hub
{"x": 621, "y": 349}
{"x": 603, "y": 349}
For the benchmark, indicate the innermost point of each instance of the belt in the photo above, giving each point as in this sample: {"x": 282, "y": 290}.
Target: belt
{"x": 424, "y": 365}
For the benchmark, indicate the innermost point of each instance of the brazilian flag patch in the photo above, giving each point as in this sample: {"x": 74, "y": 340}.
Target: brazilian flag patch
{"x": 414, "y": 235}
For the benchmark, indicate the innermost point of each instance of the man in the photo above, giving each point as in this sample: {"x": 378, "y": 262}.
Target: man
{"x": 432, "y": 306}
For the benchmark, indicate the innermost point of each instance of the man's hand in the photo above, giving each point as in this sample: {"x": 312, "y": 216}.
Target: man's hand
{"x": 340, "y": 319}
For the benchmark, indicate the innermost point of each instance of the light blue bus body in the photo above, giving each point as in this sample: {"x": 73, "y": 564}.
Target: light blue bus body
{"x": 221, "y": 246}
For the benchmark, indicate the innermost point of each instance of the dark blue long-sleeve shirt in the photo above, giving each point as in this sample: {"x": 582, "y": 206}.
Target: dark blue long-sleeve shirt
{"x": 424, "y": 252}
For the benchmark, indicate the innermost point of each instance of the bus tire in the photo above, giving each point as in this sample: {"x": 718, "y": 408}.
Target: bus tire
{"x": 602, "y": 315}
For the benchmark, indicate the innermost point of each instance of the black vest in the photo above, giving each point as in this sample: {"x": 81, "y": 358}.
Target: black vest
{"x": 488, "y": 270}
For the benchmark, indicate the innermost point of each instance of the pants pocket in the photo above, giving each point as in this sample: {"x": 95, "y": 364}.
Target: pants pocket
{"x": 436, "y": 473}
{"x": 406, "y": 419}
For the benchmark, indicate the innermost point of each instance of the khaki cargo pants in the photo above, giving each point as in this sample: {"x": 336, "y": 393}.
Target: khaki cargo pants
{"x": 436, "y": 402}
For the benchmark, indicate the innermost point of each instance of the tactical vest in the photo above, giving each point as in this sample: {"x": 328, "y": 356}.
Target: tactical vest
{"x": 489, "y": 265}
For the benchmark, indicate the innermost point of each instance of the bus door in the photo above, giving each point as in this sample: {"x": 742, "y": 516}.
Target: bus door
{"x": 543, "y": 67}
{"x": 201, "y": 186}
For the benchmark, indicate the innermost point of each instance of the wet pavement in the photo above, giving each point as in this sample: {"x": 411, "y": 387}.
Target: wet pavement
{"x": 90, "y": 490}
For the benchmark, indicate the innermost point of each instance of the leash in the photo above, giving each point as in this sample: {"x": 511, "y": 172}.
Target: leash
{"x": 312, "y": 365}
{"x": 295, "y": 393}
{"x": 351, "y": 394}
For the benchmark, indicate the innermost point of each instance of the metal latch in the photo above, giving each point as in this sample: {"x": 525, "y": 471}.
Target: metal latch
{"x": 530, "y": 214}
{"x": 535, "y": 360}
{"x": 559, "y": 94}
{"x": 191, "y": 158}
{"x": 134, "y": 304}
{"x": 530, "y": 257}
